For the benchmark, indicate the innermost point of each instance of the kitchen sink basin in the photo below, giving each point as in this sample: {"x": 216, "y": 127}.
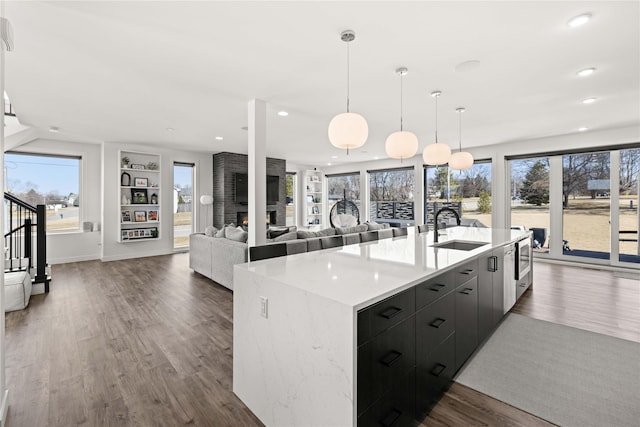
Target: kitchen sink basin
{"x": 459, "y": 245}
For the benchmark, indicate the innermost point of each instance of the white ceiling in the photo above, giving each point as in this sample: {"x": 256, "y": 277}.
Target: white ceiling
{"x": 126, "y": 71}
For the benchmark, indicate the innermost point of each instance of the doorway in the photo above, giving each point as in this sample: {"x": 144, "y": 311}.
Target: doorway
{"x": 182, "y": 204}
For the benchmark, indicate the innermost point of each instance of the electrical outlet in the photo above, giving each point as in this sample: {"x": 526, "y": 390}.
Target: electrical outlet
{"x": 264, "y": 307}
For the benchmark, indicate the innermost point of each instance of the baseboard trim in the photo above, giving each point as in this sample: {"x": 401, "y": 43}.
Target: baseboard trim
{"x": 5, "y": 408}
{"x": 590, "y": 266}
{"x": 132, "y": 256}
{"x": 54, "y": 261}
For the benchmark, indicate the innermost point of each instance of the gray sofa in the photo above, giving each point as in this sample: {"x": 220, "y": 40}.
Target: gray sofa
{"x": 214, "y": 257}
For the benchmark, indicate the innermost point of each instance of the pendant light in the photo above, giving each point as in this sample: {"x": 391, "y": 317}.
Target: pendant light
{"x": 401, "y": 144}
{"x": 436, "y": 154}
{"x": 348, "y": 130}
{"x": 462, "y": 159}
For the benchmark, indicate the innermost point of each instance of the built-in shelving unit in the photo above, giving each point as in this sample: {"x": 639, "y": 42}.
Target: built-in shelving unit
{"x": 139, "y": 196}
{"x": 314, "y": 198}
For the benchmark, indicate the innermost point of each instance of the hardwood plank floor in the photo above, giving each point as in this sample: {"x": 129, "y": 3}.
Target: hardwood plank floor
{"x": 146, "y": 342}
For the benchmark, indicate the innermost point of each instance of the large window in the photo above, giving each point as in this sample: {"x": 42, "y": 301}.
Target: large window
{"x": 467, "y": 191}
{"x": 290, "y": 185}
{"x": 529, "y": 193}
{"x": 391, "y": 195}
{"x": 344, "y": 186}
{"x": 183, "y": 204}
{"x": 53, "y": 181}
{"x": 629, "y": 202}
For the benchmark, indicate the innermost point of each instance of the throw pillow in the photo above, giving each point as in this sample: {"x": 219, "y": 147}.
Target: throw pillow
{"x": 372, "y": 226}
{"x": 354, "y": 229}
{"x": 304, "y": 234}
{"x": 236, "y": 234}
{"x": 292, "y": 235}
{"x": 220, "y": 233}
{"x": 210, "y": 231}
{"x": 274, "y": 232}
{"x": 327, "y": 232}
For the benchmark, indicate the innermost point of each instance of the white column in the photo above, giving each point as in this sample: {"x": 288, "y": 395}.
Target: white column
{"x": 614, "y": 207}
{"x": 365, "y": 196}
{"x": 556, "y": 210}
{"x": 418, "y": 191}
{"x": 257, "y": 172}
{"x": 4, "y": 393}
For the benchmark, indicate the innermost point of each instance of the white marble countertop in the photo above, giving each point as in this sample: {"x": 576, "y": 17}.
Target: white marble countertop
{"x": 360, "y": 275}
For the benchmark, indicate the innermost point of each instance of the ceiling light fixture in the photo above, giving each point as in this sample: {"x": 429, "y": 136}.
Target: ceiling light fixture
{"x": 348, "y": 130}
{"x": 579, "y": 20}
{"x": 589, "y": 100}
{"x": 283, "y": 113}
{"x": 436, "y": 154}
{"x": 582, "y": 129}
{"x": 170, "y": 129}
{"x": 334, "y": 157}
{"x": 462, "y": 159}
{"x": 401, "y": 144}
{"x": 219, "y": 138}
{"x": 586, "y": 72}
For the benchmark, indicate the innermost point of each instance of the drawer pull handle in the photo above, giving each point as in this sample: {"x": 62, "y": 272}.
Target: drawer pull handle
{"x": 467, "y": 271}
{"x": 437, "y": 323}
{"x": 391, "y": 312}
{"x": 391, "y": 418}
{"x": 493, "y": 264}
{"x": 466, "y": 291}
{"x": 391, "y": 358}
{"x": 437, "y": 287}
{"x": 438, "y": 369}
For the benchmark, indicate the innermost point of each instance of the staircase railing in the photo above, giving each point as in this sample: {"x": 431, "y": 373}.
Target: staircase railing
{"x": 21, "y": 218}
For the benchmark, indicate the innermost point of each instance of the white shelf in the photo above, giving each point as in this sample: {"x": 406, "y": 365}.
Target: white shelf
{"x": 140, "y": 170}
{"x": 314, "y": 190}
{"x": 140, "y": 204}
{"x": 133, "y": 186}
{"x": 139, "y": 222}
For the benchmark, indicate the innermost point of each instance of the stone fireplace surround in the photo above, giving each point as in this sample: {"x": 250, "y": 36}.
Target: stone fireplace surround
{"x": 225, "y": 209}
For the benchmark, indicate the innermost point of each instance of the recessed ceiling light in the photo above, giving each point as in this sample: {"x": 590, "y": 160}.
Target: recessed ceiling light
{"x": 54, "y": 129}
{"x": 376, "y": 158}
{"x": 579, "y": 20}
{"x": 328, "y": 164}
{"x": 244, "y": 128}
{"x": 586, "y": 72}
{"x": 582, "y": 129}
{"x": 283, "y": 113}
{"x": 219, "y": 138}
{"x": 589, "y": 100}
{"x": 170, "y": 129}
{"x": 334, "y": 157}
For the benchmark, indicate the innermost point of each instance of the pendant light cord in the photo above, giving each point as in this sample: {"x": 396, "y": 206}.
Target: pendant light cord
{"x": 436, "y": 97}
{"x": 401, "y": 75}
{"x": 460, "y": 130}
{"x": 348, "y": 77}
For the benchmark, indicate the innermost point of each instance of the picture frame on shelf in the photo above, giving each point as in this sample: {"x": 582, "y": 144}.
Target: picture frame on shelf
{"x": 315, "y": 178}
{"x": 126, "y": 216}
{"x": 137, "y": 166}
{"x": 125, "y": 235}
{"x": 152, "y": 215}
{"x": 309, "y": 198}
{"x": 139, "y": 196}
{"x": 315, "y": 210}
{"x": 140, "y": 182}
{"x": 140, "y": 216}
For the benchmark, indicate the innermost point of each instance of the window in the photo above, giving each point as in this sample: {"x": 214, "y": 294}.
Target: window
{"x": 629, "y": 202}
{"x": 53, "y": 181}
{"x": 391, "y": 196}
{"x": 468, "y": 191}
{"x": 341, "y": 186}
{"x": 530, "y": 199}
{"x": 290, "y": 185}
{"x": 183, "y": 204}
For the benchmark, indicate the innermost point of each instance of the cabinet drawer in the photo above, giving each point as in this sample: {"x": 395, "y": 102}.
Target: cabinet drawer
{"x": 466, "y": 271}
{"x": 396, "y": 408}
{"x": 380, "y": 316}
{"x": 393, "y": 353}
{"x": 434, "y": 324}
{"x": 521, "y": 287}
{"x": 466, "y": 297}
{"x": 434, "y": 375}
{"x": 434, "y": 288}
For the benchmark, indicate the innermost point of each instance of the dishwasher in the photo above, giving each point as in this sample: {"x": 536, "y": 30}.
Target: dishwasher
{"x": 509, "y": 278}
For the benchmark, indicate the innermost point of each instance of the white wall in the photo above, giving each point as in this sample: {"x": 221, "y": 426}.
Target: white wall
{"x": 111, "y": 248}
{"x": 75, "y": 246}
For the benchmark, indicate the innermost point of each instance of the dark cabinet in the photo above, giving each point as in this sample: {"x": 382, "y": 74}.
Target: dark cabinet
{"x": 434, "y": 288}
{"x": 466, "y": 296}
{"x": 396, "y": 408}
{"x": 490, "y": 292}
{"x": 434, "y": 374}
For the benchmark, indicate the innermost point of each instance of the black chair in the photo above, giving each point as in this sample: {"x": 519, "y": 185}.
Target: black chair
{"x": 369, "y": 236}
{"x": 331, "y": 242}
{"x": 423, "y": 228}
{"x": 539, "y": 237}
{"x": 256, "y": 253}
{"x": 399, "y": 231}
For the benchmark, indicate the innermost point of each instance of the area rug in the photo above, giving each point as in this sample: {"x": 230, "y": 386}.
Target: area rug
{"x": 564, "y": 375}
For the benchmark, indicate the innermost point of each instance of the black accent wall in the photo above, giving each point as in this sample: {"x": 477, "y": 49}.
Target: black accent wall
{"x": 225, "y": 209}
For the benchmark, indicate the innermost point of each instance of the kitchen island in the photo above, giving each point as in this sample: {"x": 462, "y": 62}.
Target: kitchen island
{"x": 363, "y": 334}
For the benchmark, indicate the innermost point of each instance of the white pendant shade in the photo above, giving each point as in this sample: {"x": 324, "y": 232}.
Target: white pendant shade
{"x": 348, "y": 131}
{"x": 436, "y": 154}
{"x": 461, "y": 160}
{"x": 401, "y": 145}
{"x": 206, "y": 199}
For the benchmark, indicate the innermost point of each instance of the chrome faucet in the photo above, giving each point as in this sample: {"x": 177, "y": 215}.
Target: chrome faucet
{"x": 435, "y": 220}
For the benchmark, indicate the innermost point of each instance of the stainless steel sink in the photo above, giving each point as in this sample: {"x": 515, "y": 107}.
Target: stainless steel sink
{"x": 459, "y": 245}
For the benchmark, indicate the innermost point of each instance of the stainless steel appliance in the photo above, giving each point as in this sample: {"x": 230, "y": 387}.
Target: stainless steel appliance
{"x": 523, "y": 257}
{"x": 509, "y": 291}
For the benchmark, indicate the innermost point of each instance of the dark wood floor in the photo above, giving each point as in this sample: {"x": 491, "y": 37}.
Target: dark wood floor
{"x": 146, "y": 342}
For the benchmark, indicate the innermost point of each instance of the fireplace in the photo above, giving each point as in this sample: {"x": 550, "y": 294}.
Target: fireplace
{"x": 242, "y": 218}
